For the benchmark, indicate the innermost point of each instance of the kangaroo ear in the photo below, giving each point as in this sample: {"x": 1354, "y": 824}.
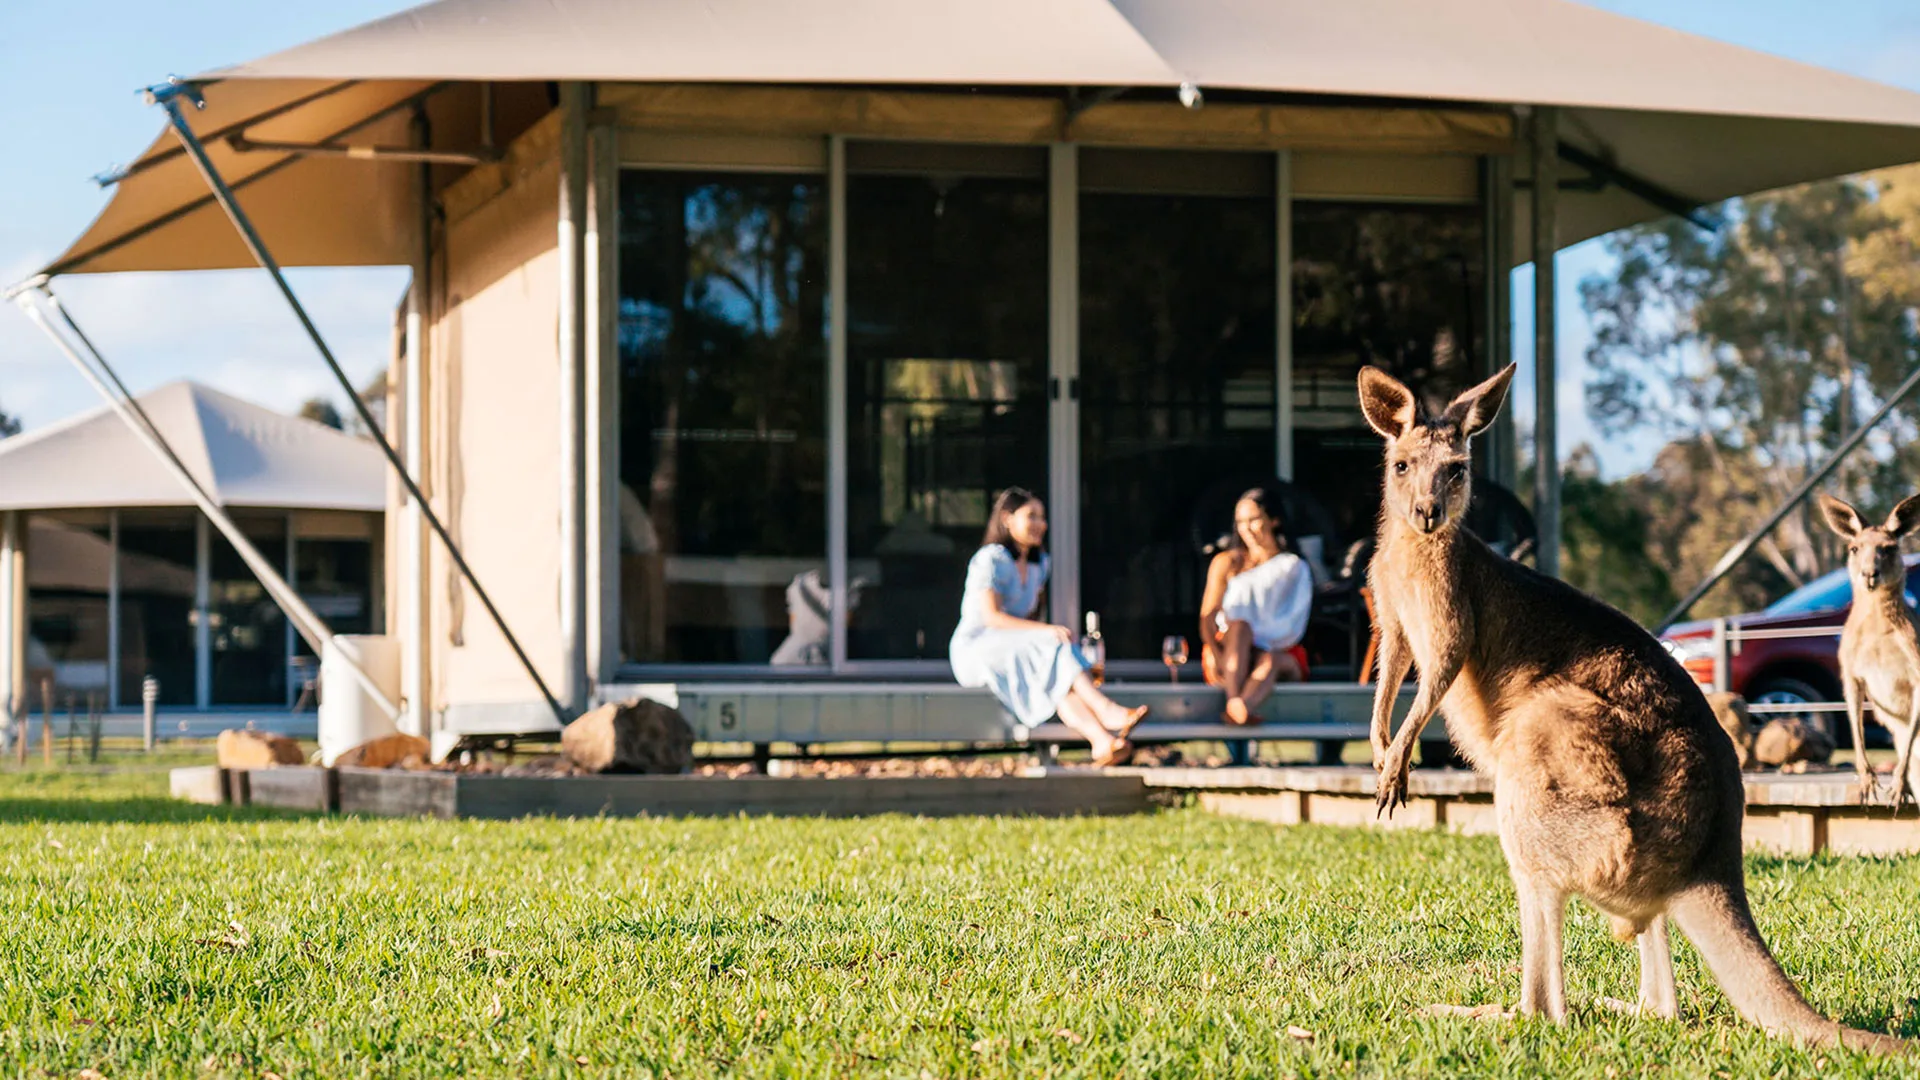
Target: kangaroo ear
{"x": 1474, "y": 409}
{"x": 1842, "y": 518}
{"x": 1387, "y": 405}
{"x": 1905, "y": 517}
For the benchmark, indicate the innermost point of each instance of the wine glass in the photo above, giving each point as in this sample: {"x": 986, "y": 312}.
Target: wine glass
{"x": 1173, "y": 653}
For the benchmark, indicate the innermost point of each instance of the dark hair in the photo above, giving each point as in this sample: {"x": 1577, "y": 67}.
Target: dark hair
{"x": 1269, "y": 505}
{"x": 1006, "y": 503}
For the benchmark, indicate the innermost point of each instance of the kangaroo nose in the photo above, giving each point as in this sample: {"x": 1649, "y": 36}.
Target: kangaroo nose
{"x": 1426, "y": 515}
{"x": 1871, "y": 578}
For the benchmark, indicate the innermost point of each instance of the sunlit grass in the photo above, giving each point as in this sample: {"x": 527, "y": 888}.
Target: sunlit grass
{"x": 143, "y": 937}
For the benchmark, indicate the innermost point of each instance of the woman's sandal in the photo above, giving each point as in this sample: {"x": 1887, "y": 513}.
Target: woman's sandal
{"x": 1134, "y": 716}
{"x": 1119, "y": 753}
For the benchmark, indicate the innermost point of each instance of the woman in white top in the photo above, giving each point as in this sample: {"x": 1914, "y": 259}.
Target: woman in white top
{"x": 1034, "y": 668}
{"x": 1255, "y": 610}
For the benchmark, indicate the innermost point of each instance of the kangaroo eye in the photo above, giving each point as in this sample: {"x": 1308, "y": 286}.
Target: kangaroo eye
{"x": 1399, "y": 468}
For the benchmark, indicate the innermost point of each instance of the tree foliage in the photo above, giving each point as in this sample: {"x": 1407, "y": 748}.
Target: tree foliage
{"x": 322, "y": 411}
{"x": 1755, "y": 351}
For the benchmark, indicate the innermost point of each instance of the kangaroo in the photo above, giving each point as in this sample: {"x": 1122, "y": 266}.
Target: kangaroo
{"x": 1880, "y": 644}
{"x": 1612, "y": 778}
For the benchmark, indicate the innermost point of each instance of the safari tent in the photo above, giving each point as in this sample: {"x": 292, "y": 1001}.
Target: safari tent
{"x": 729, "y": 316}
{"x": 121, "y": 579}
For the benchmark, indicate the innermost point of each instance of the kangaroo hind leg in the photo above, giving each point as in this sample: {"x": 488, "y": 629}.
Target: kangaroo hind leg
{"x": 1543, "y": 985}
{"x": 1658, "y": 995}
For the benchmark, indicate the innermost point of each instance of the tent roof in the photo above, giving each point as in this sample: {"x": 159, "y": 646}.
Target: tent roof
{"x": 1702, "y": 119}
{"x": 244, "y": 455}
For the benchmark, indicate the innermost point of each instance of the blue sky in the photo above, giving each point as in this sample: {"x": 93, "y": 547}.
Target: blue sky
{"x": 69, "y": 73}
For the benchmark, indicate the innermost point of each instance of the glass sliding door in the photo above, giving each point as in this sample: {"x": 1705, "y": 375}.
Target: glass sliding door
{"x": 158, "y": 569}
{"x": 247, "y": 630}
{"x": 1178, "y": 299}
{"x": 1400, "y": 287}
{"x": 70, "y": 571}
{"x": 946, "y": 374}
{"x": 723, "y": 369}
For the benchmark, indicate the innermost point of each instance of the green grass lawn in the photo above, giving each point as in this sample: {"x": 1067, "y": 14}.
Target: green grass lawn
{"x": 143, "y": 937}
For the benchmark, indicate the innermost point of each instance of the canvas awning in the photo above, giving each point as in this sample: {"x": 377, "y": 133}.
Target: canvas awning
{"x": 1700, "y": 119}
{"x": 242, "y": 454}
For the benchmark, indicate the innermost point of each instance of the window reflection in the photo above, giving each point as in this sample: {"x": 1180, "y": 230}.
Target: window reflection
{"x": 1177, "y": 365}
{"x": 157, "y": 560}
{"x": 69, "y": 571}
{"x": 946, "y": 383}
{"x": 247, "y": 630}
{"x": 1398, "y": 287}
{"x": 722, "y": 339}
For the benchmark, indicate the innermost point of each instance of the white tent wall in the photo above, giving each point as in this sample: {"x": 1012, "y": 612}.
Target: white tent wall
{"x": 494, "y": 433}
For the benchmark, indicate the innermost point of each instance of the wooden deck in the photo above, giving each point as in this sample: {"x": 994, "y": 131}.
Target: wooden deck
{"x": 1787, "y": 813}
{"x": 405, "y": 793}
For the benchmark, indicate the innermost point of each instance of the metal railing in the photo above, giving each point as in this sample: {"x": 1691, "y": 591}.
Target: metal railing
{"x": 1727, "y": 639}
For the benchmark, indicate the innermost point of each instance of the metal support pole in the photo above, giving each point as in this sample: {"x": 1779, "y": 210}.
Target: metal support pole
{"x": 574, "y": 102}
{"x": 202, "y": 613}
{"x": 167, "y": 96}
{"x": 413, "y": 594}
{"x": 13, "y": 622}
{"x": 1283, "y": 314}
{"x": 1721, "y": 661}
{"x": 837, "y": 398}
{"x": 113, "y": 609}
{"x": 603, "y": 403}
{"x": 1546, "y": 449}
{"x": 1500, "y": 455}
{"x": 1064, "y": 601}
{"x": 136, "y": 419}
{"x": 1739, "y": 551}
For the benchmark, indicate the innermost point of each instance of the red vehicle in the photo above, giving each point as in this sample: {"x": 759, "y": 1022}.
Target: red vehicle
{"x": 1786, "y": 670}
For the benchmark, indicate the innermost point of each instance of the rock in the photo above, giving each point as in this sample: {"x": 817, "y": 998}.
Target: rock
{"x": 1731, "y": 710}
{"x": 640, "y": 736}
{"x": 396, "y": 751}
{"x": 1788, "y": 739}
{"x": 239, "y": 749}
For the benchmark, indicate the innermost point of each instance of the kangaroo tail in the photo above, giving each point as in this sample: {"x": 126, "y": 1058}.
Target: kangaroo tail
{"x": 1715, "y": 917}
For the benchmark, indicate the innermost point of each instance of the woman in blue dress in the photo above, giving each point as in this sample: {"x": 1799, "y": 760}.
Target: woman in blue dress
{"x": 1034, "y": 668}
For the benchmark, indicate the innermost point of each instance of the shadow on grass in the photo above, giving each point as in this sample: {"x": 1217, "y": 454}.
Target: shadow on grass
{"x": 136, "y": 810}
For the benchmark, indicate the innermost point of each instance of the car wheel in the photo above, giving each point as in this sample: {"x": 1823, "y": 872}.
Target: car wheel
{"x": 1784, "y": 690}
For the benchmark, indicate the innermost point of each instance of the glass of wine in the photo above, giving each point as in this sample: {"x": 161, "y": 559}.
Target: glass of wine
{"x": 1173, "y": 653}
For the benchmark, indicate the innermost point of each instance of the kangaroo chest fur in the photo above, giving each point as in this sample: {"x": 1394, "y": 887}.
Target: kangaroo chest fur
{"x": 1871, "y": 652}
{"x": 1423, "y": 588}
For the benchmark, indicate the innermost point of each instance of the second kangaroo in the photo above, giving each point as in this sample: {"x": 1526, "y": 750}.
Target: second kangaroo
{"x": 1880, "y": 644}
{"x": 1612, "y": 779}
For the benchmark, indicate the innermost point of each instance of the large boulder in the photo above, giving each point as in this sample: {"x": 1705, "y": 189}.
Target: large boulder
{"x": 399, "y": 750}
{"x": 240, "y": 749}
{"x": 1731, "y": 710}
{"x": 639, "y": 736}
{"x": 1787, "y": 740}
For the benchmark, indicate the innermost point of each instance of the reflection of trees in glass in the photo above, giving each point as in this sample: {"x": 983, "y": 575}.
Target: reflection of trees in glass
{"x": 947, "y": 334}
{"x": 1176, "y": 392}
{"x": 920, "y": 395}
{"x": 1397, "y": 287}
{"x": 722, "y": 342}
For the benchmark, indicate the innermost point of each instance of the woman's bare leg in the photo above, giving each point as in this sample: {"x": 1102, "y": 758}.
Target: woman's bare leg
{"x": 1105, "y": 710}
{"x": 1236, "y": 649}
{"x": 1269, "y": 667}
{"x": 1075, "y": 714}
